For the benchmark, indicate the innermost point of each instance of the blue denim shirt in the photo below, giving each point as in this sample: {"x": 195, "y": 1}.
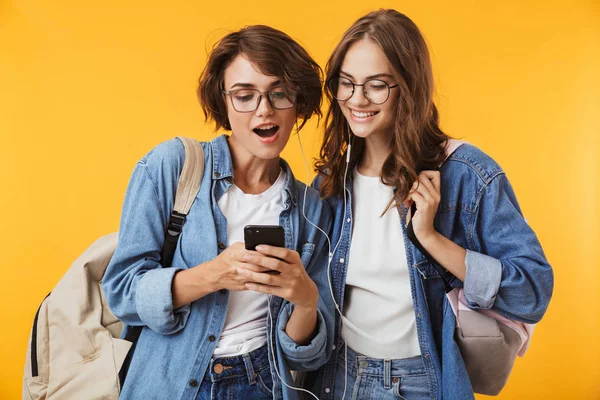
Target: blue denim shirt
{"x": 176, "y": 345}
{"x": 506, "y": 267}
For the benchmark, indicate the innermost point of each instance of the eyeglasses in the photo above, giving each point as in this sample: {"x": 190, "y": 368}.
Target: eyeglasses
{"x": 247, "y": 100}
{"x": 375, "y": 90}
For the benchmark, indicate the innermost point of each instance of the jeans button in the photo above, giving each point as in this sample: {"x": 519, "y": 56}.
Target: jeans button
{"x": 363, "y": 364}
{"x": 218, "y": 368}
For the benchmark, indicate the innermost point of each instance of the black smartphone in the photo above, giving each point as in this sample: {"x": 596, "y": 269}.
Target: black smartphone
{"x": 271, "y": 235}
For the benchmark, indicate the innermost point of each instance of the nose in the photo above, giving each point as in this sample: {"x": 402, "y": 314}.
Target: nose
{"x": 264, "y": 107}
{"x": 358, "y": 97}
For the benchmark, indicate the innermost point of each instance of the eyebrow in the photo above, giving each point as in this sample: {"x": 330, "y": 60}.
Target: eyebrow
{"x": 244, "y": 85}
{"x": 376, "y": 76}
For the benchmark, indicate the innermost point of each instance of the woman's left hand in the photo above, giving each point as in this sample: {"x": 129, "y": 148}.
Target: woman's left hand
{"x": 287, "y": 280}
{"x": 425, "y": 192}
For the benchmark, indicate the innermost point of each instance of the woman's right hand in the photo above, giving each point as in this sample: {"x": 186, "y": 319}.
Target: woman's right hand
{"x": 221, "y": 273}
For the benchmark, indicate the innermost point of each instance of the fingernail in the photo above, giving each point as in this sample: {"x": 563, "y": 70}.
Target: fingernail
{"x": 260, "y": 247}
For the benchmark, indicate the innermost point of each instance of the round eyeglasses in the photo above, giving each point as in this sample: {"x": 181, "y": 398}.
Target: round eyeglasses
{"x": 247, "y": 100}
{"x": 375, "y": 90}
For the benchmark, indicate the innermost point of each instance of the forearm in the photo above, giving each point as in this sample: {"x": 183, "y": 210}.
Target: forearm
{"x": 302, "y": 325}
{"x": 190, "y": 285}
{"x": 447, "y": 253}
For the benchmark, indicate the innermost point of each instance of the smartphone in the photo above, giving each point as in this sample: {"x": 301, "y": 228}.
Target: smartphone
{"x": 271, "y": 235}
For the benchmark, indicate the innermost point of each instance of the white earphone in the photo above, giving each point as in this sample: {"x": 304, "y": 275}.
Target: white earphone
{"x": 330, "y": 257}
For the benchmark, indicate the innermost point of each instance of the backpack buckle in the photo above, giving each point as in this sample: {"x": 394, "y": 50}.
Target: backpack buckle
{"x": 176, "y": 222}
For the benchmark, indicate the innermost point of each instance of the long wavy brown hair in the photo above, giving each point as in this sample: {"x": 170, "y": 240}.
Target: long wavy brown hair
{"x": 417, "y": 141}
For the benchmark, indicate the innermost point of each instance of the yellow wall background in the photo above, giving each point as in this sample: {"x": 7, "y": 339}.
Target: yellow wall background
{"x": 87, "y": 88}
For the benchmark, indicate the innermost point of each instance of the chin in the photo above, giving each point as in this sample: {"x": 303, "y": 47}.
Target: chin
{"x": 267, "y": 153}
{"x": 361, "y": 131}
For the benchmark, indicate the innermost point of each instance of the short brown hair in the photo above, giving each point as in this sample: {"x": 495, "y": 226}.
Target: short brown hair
{"x": 275, "y": 54}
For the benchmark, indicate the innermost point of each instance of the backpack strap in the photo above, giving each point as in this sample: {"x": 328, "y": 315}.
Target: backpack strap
{"x": 187, "y": 189}
{"x": 450, "y": 147}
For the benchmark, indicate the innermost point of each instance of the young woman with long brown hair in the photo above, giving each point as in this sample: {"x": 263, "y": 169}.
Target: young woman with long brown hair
{"x": 381, "y": 153}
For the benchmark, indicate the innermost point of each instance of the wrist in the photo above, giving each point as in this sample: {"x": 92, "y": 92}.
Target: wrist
{"x": 430, "y": 239}
{"x": 205, "y": 279}
{"x": 309, "y": 307}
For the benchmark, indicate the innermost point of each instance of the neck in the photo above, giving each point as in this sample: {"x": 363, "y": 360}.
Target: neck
{"x": 376, "y": 150}
{"x": 251, "y": 174}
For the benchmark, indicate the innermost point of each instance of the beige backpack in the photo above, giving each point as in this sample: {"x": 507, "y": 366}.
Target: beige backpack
{"x": 75, "y": 350}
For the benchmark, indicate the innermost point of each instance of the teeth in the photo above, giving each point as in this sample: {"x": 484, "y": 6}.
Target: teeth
{"x": 266, "y": 127}
{"x": 363, "y": 114}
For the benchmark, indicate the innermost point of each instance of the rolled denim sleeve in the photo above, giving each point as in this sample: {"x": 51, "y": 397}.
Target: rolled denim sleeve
{"x": 154, "y": 301}
{"x": 136, "y": 286}
{"x": 509, "y": 270}
{"x": 303, "y": 357}
{"x": 482, "y": 279}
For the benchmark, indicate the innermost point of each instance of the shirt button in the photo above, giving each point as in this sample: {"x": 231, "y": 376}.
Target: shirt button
{"x": 217, "y": 174}
{"x": 333, "y": 347}
{"x": 341, "y": 260}
{"x": 222, "y": 246}
{"x": 229, "y": 179}
{"x": 327, "y": 390}
{"x": 211, "y": 338}
{"x": 426, "y": 355}
{"x": 193, "y": 383}
{"x": 348, "y": 220}
{"x": 419, "y": 315}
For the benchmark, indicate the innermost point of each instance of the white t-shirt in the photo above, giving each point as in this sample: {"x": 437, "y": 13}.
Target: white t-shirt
{"x": 379, "y": 317}
{"x": 245, "y": 327}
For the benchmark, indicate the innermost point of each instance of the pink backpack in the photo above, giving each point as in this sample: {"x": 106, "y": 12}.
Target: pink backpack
{"x": 488, "y": 342}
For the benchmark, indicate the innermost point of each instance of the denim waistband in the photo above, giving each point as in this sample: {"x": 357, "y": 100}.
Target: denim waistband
{"x": 389, "y": 369}
{"x": 222, "y": 368}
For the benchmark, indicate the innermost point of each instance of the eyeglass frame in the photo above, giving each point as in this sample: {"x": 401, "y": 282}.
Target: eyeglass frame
{"x": 354, "y": 85}
{"x": 260, "y": 97}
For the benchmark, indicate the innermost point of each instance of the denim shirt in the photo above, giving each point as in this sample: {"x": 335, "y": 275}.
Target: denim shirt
{"x": 176, "y": 345}
{"x": 506, "y": 267}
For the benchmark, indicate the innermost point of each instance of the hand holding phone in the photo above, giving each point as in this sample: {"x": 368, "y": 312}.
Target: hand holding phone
{"x": 286, "y": 276}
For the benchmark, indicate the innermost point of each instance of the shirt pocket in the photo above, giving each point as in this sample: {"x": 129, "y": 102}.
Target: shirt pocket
{"x": 427, "y": 270}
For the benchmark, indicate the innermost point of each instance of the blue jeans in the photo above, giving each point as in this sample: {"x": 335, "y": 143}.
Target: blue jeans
{"x": 372, "y": 378}
{"x": 247, "y": 376}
